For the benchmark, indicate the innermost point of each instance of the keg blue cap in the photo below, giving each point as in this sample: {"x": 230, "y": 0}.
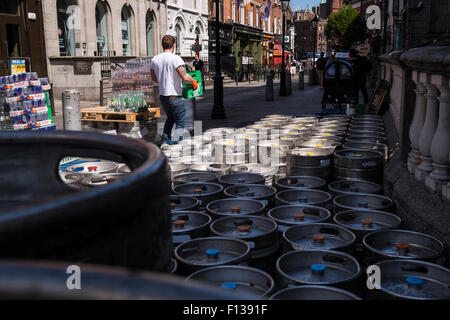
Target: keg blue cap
{"x": 78, "y": 169}
{"x": 212, "y": 252}
{"x": 318, "y": 267}
{"x": 414, "y": 280}
{"x": 229, "y": 285}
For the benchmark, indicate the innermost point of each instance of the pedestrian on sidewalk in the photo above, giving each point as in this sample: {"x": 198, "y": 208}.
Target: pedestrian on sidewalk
{"x": 320, "y": 66}
{"x": 360, "y": 66}
{"x": 199, "y": 65}
{"x": 168, "y": 69}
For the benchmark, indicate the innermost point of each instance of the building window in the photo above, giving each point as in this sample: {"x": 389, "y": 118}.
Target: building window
{"x": 257, "y": 18}
{"x": 178, "y": 31}
{"x": 67, "y": 12}
{"x": 241, "y": 14}
{"x": 195, "y": 4}
{"x": 127, "y": 15}
{"x": 149, "y": 23}
{"x": 250, "y": 17}
{"x": 101, "y": 20}
{"x": 233, "y": 11}
{"x": 10, "y": 7}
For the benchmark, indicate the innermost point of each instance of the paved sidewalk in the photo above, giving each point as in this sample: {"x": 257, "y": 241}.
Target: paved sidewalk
{"x": 244, "y": 104}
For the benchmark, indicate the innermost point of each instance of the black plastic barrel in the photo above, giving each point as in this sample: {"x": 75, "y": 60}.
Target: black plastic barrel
{"x": 124, "y": 223}
{"x": 49, "y": 280}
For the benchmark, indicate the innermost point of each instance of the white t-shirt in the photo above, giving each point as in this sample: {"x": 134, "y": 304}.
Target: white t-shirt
{"x": 165, "y": 66}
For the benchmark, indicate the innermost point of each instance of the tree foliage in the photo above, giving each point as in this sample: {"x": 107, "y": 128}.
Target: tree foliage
{"x": 345, "y": 28}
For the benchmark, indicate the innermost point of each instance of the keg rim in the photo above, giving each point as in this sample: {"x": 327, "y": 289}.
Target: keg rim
{"x": 283, "y": 222}
{"x": 322, "y": 224}
{"x": 332, "y": 252}
{"x": 370, "y": 235}
{"x": 196, "y": 204}
{"x": 200, "y": 213}
{"x": 264, "y": 274}
{"x": 269, "y": 195}
{"x": 322, "y": 182}
{"x": 414, "y": 262}
{"x": 329, "y": 196}
{"x": 193, "y": 195}
{"x": 321, "y": 287}
{"x": 332, "y": 189}
{"x": 252, "y": 213}
{"x": 265, "y": 234}
{"x": 380, "y": 212}
{"x": 243, "y": 256}
{"x": 379, "y": 196}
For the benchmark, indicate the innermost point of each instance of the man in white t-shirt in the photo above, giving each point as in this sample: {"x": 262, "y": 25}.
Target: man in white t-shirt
{"x": 168, "y": 70}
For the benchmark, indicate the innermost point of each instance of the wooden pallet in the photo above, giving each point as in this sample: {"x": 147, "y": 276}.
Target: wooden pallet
{"x": 100, "y": 114}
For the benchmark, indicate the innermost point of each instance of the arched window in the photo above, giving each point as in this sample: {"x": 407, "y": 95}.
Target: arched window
{"x": 127, "y": 15}
{"x": 178, "y": 38}
{"x": 101, "y": 20}
{"x": 178, "y": 34}
{"x": 68, "y": 14}
{"x": 149, "y": 22}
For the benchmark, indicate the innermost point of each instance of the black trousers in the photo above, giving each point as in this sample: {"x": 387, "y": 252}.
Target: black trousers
{"x": 360, "y": 85}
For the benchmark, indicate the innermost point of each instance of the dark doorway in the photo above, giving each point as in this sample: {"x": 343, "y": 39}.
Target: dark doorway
{"x": 21, "y": 36}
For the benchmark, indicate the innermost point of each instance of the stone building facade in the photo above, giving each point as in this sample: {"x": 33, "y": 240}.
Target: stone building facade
{"x": 79, "y": 32}
{"x": 187, "y": 20}
{"x": 245, "y": 34}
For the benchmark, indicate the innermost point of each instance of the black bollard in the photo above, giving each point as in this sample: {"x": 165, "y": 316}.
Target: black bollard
{"x": 301, "y": 81}
{"x": 269, "y": 87}
{"x": 289, "y": 84}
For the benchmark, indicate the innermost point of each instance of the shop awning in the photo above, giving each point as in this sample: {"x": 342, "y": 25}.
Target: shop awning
{"x": 255, "y": 34}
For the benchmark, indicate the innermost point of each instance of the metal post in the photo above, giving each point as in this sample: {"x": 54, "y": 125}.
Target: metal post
{"x": 71, "y": 110}
{"x": 314, "y": 56}
{"x": 269, "y": 86}
{"x": 218, "y": 111}
{"x": 283, "y": 91}
{"x": 301, "y": 81}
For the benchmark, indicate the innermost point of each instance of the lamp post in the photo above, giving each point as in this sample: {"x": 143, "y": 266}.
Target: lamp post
{"x": 283, "y": 89}
{"x": 314, "y": 22}
{"x": 218, "y": 111}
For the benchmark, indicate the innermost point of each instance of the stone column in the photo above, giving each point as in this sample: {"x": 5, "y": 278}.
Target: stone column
{"x": 429, "y": 128}
{"x": 440, "y": 146}
{"x": 417, "y": 123}
{"x": 446, "y": 189}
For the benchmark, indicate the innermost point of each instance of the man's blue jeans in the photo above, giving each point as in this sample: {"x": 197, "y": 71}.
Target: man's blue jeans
{"x": 175, "y": 109}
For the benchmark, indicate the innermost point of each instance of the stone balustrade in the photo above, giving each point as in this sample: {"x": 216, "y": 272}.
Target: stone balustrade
{"x": 428, "y": 70}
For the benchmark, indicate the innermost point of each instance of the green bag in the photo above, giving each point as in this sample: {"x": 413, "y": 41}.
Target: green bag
{"x": 188, "y": 91}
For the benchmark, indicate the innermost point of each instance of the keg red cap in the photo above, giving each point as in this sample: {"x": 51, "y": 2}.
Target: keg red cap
{"x": 244, "y": 228}
{"x": 403, "y": 245}
{"x": 299, "y": 216}
{"x": 318, "y": 237}
{"x": 179, "y": 223}
{"x": 235, "y": 209}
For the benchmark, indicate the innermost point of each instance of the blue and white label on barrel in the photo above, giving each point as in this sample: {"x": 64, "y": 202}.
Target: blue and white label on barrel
{"x": 369, "y": 164}
{"x": 325, "y": 163}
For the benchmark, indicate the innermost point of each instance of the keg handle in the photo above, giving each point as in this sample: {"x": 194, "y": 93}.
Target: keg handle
{"x": 414, "y": 268}
{"x": 333, "y": 259}
{"x": 311, "y": 211}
